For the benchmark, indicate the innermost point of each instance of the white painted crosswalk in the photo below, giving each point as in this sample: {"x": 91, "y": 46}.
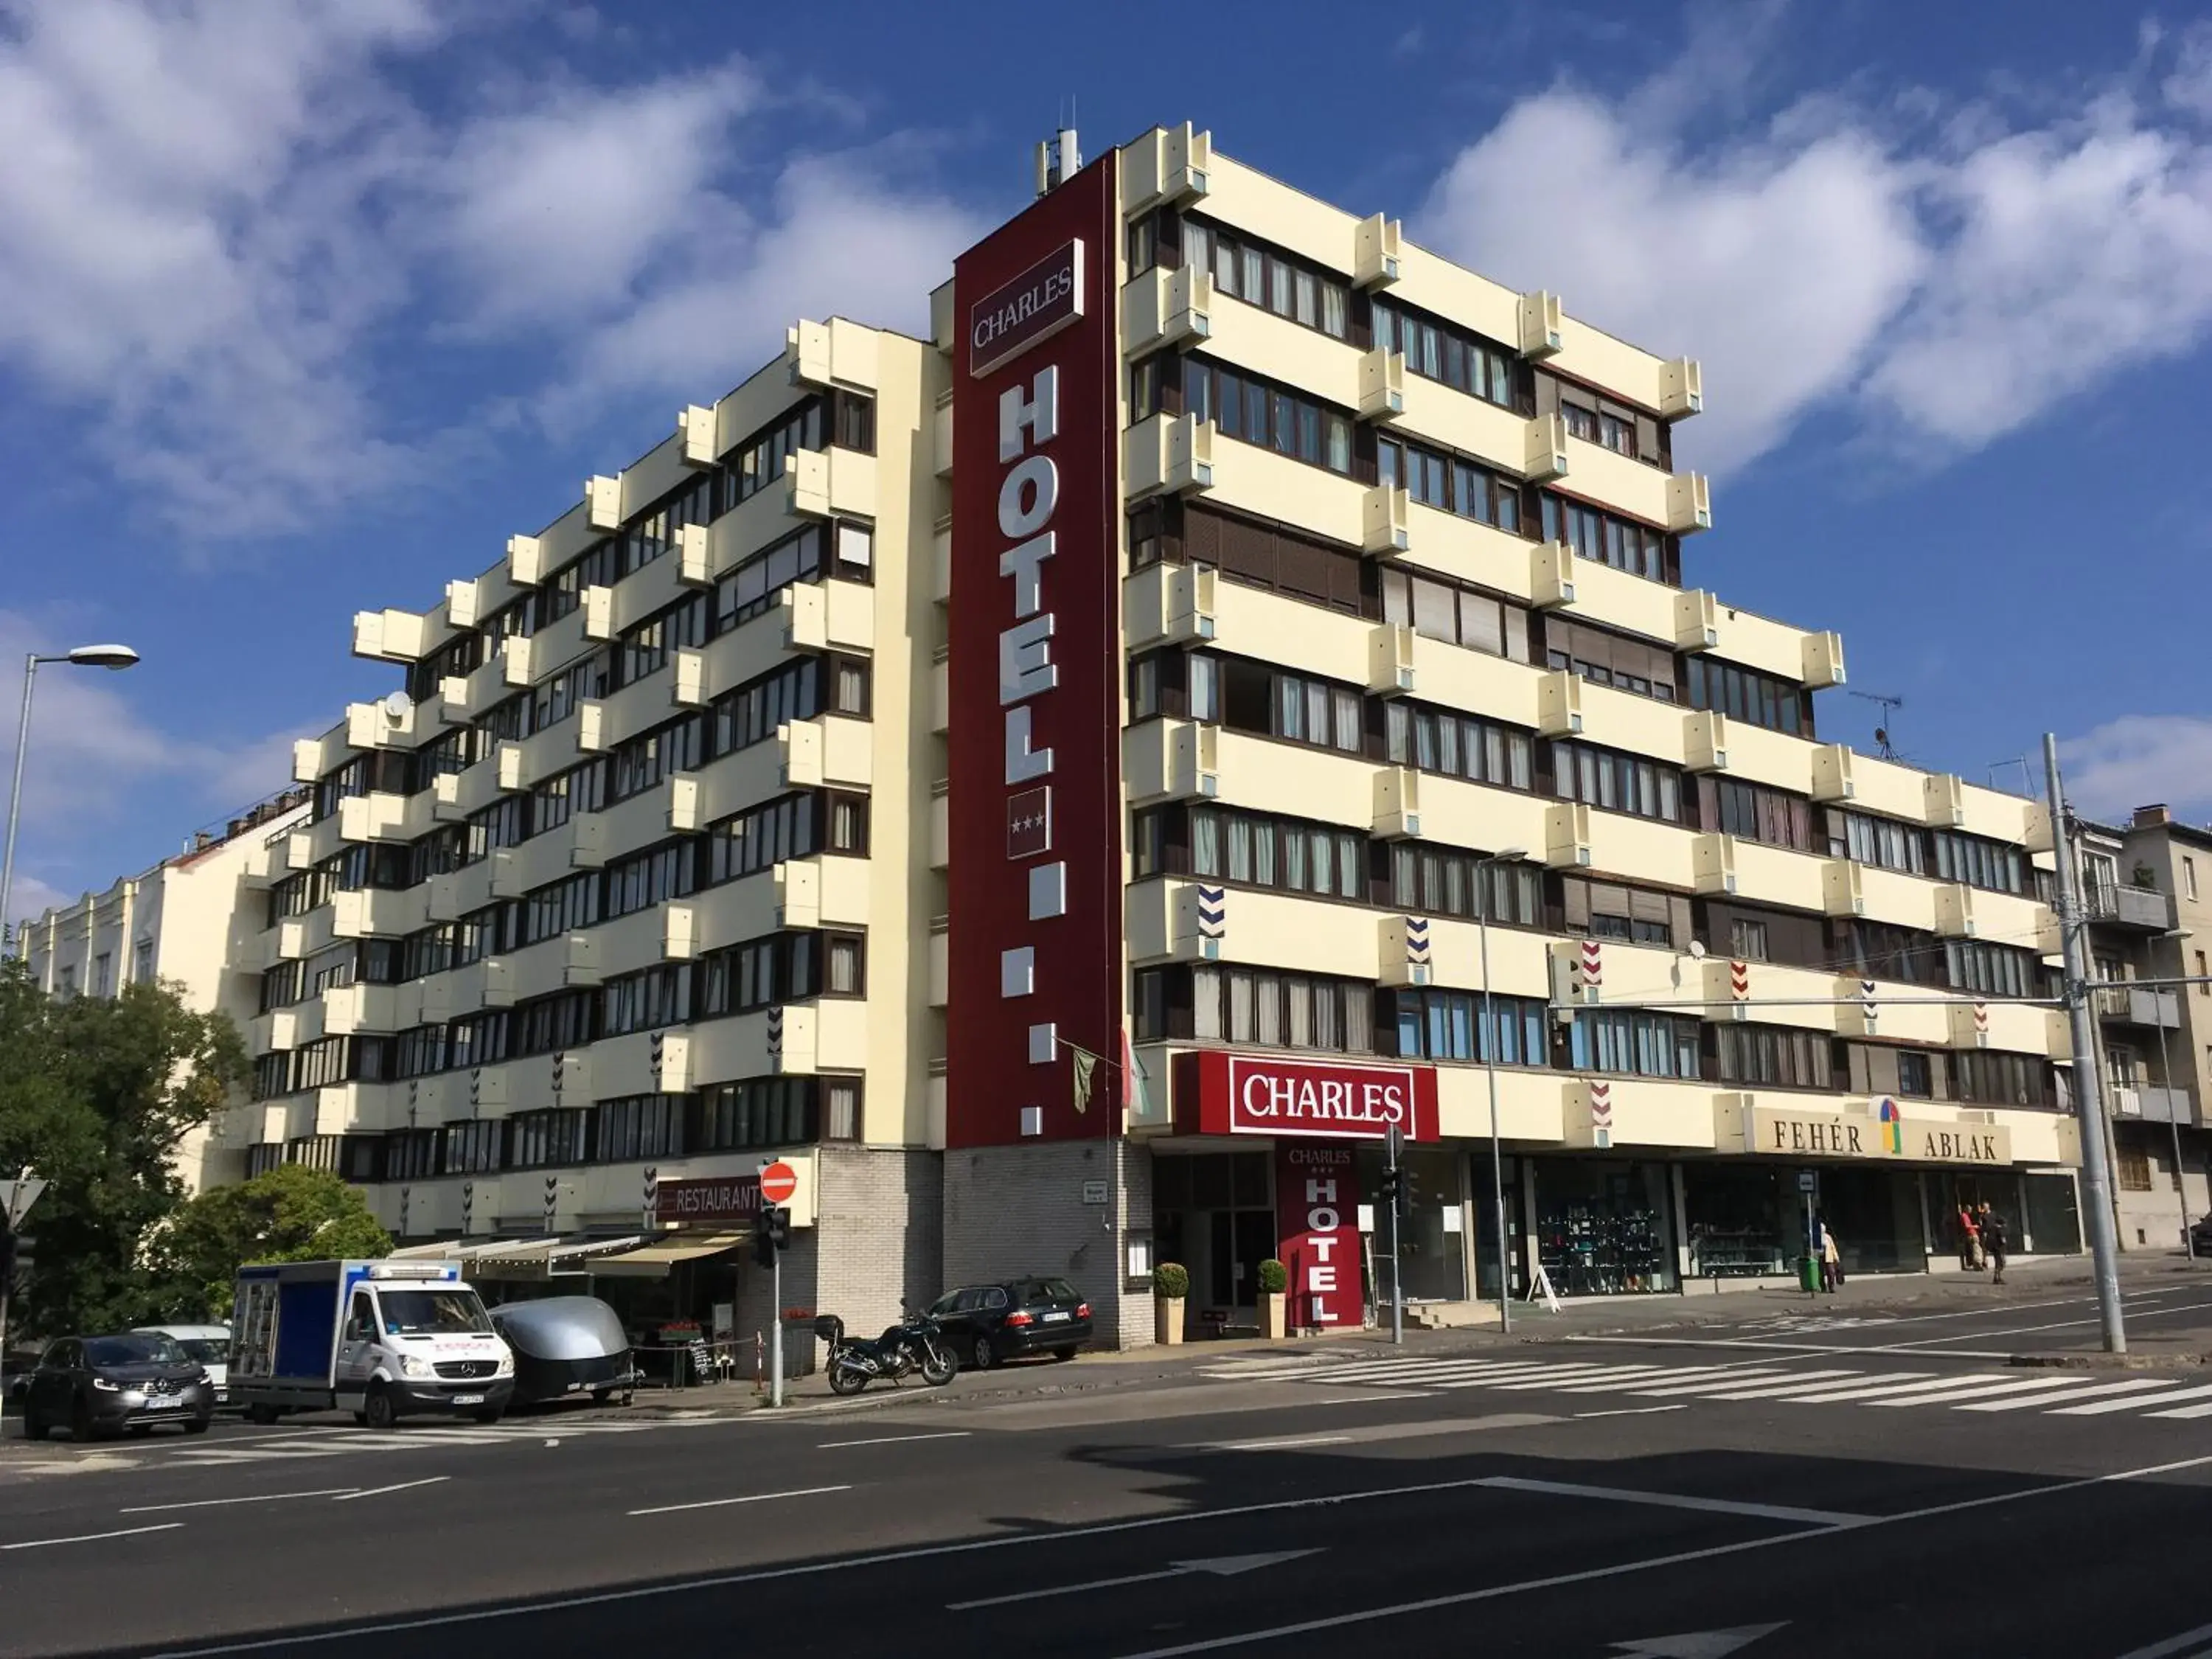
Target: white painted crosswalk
{"x": 305, "y": 1445}
{"x": 2076, "y": 1394}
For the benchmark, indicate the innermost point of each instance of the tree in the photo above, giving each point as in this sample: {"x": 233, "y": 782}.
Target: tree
{"x": 291, "y": 1213}
{"x": 95, "y": 1093}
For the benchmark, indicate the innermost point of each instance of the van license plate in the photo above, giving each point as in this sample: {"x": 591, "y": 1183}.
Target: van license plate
{"x": 468, "y": 1400}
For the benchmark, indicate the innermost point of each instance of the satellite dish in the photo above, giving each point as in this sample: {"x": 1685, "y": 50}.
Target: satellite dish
{"x": 1695, "y": 948}
{"x": 396, "y": 706}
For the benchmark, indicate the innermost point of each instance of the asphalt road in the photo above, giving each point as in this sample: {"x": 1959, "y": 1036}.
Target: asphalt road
{"x": 1560, "y": 1499}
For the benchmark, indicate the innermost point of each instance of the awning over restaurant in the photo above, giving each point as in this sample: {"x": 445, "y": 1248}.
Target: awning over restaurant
{"x": 654, "y": 1261}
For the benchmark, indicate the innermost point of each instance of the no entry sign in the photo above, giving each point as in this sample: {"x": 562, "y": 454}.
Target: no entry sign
{"x": 778, "y": 1181}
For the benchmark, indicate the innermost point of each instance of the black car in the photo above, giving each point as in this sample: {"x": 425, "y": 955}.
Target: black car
{"x": 98, "y": 1385}
{"x": 2200, "y": 1239}
{"x": 986, "y": 1323}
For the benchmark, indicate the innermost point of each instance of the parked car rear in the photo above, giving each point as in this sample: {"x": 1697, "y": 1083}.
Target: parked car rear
{"x": 1011, "y": 1319}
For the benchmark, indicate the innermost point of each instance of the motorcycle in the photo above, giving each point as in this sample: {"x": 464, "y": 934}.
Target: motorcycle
{"x": 915, "y": 1343}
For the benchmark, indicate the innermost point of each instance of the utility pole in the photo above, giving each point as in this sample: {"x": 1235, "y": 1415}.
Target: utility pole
{"x": 2172, "y": 1113}
{"x": 2096, "y": 1172}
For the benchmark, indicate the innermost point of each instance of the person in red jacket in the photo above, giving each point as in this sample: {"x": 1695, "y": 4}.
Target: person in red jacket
{"x": 1970, "y": 1239}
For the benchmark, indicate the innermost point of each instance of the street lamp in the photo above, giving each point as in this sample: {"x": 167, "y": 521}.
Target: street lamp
{"x": 1503, "y": 855}
{"x": 109, "y": 656}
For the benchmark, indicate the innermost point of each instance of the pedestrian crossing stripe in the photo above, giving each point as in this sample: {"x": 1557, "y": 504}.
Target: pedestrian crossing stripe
{"x": 305, "y": 1445}
{"x": 2082, "y": 1394}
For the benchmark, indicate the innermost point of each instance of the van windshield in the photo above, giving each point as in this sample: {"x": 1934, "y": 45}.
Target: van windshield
{"x": 432, "y": 1313}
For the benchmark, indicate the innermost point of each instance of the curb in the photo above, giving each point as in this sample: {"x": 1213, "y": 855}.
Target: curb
{"x": 2096, "y": 1361}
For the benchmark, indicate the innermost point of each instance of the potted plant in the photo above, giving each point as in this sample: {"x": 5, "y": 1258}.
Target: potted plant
{"x": 1275, "y": 1313}
{"x": 1170, "y": 1284}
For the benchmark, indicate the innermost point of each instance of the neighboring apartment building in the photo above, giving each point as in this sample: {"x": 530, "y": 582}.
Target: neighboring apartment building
{"x": 1314, "y": 595}
{"x": 2144, "y": 894}
{"x": 184, "y": 922}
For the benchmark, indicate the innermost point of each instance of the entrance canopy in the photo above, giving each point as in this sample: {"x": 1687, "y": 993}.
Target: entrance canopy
{"x": 654, "y": 1261}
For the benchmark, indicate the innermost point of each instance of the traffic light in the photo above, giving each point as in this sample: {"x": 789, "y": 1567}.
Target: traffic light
{"x": 763, "y": 1249}
{"x": 1393, "y": 1187}
{"x": 775, "y": 1224}
{"x": 6, "y": 1256}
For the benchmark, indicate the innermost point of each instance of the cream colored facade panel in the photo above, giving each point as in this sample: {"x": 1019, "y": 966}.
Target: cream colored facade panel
{"x": 1778, "y": 875}
{"x": 735, "y": 911}
{"x": 1531, "y": 1105}
{"x": 1520, "y": 959}
{"x": 1886, "y": 789}
{"x": 567, "y": 537}
{"x": 757, "y": 400}
{"x": 2010, "y": 919}
{"x": 756, "y": 647}
{"x": 1592, "y": 355}
{"x": 1595, "y": 474}
{"x": 1614, "y": 598}
{"x": 1433, "y": 283}
{"x": 1476, "y": 683}
{"x": 1460, "y": 548}
{"x": 1449, "y": 419}
{"x": 1639, "y": 850}
{"x": 1266, "y": 776}
{"x": 1621, "y": 720}
{"x": 848, "y": 614}
{"x": 1908, "y": 901}
{"x": 2010, "y": 819}
{"x": 1250, "y": 622}
{"x": 760, "y": 520}
{"x": 1753, "y": 640}
{"x": 1760, "y": 755}
{"x": 1249, "y": 479}
{"x": 1650, "y": 1112}
{"x": 1298, "y": 224}
{"x": 654, "y": 474}
{"x": 1251, "y": 337}
{"x": 1456, "y": 813}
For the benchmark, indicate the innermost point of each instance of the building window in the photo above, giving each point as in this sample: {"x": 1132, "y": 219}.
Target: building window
{"x": 2203, "y": 976}
{"x": 1882, "y": 842}
{"x": 1438, "y": 351}
{"x": 2132, "y": 1168}
{"x": 777, "y": 968}
{"x": 1604, "y": 538}
{"x": 1444, "y": 881}
{"x": 1774, "y": 1056}
{"x": 643, "y": 650}
{"x": 646, "y": 1001}
{"x": 1255, "y": 850}
{"x": 843, "y": 971}
{"x": 1747, "y": 939}
{"x": 1978, "y": 862}
{"x": 1250, "y": 697}
{"x": 1266, "y": 416}
{"x": 840, "y": 1098}
{"x": 1999, "y": 970}
{"x": 1240, "y": 1005}
{"x": 1253, "y": 553}
{"x": 1450, "y": 484}
{"x": 765, "y": 836}
{"x": 1743, "y": 694}
{"x": 1635, "y": 1043}
{"x": 638, "y": 1126}
{"x": 1602, "y": 658}
{"x": 645, "y": 879}
{"x": 1916, "y": 1076}
{"x": 1451, "y": 1025}
{"x": 752, "y": 587}
{"x": 1616, "y": 782}
{"x": 1755, "y": 811}
{"x": 1988, "y": 1078}
{"x": 547, "y": 1138}
{"x": 566, "y": 906}
{"x": 2189, "y": 879}
{"x": 1461, "y": 616}
{"x": 1638, "y": 916}
{"x": 640, "y": 763}
{"x": 1884, "y": 949}
{"x": 141, "y": 962}
{"x": 1249, "y": 270}
{"x": 471, "y": 1148}
{"x": 1458, "y": 745}
{"x": 775, "y": 1111}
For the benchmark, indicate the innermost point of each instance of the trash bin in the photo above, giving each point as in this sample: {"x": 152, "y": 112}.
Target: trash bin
{"x": 1808, "y": 1273}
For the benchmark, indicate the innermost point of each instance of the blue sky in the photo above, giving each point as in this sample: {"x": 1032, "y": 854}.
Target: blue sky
{"x": 305, "y": 306}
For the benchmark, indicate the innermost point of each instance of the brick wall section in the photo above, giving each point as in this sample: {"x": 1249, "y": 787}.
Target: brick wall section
{"x": 1010, "y": 1211}
{"x": 876, "y": 1240}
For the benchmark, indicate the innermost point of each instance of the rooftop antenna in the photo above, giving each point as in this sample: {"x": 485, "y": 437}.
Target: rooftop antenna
{"x": 1059, "y": 157}
{"x": 2026, "y": 777}
{"x": 1881, "y": 733}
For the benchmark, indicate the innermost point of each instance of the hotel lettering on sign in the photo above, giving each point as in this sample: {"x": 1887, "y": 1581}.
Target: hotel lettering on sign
{"x": 1034, "y": 935}
{"x": 1232, "y": 1094}
{"x": 1317, "y": 1215}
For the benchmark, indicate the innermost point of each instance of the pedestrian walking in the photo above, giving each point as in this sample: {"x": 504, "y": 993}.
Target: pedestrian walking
{"x": 1995, "y": 1241}
{"x": 1970, "y": 1240}
{"x": 1832, "y": 1260}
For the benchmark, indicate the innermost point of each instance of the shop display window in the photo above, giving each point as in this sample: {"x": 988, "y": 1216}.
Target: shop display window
{"x": 1604, "y": 1228}
{"x": 1741, "y": 1220}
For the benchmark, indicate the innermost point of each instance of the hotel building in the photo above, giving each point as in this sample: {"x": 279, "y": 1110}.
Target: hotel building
{"x": 1046, "y": 783}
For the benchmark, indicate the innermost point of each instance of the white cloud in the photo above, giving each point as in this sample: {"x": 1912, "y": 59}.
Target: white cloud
{"x": 1936, "y": 267}
{"x": 2139, "y": 759}
{"x": 29, "y": 898}
{"x": 222, "y": 213}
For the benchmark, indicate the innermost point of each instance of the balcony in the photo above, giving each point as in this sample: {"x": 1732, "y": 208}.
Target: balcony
{"x": 2154, "y": 1104}
{"x": 2125, "y": 1006}
{"x": 2144, "y": 910}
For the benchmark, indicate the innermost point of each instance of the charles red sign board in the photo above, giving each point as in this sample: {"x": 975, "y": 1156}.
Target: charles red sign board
{"x": 718, "y": 1198}
{"x": 1035, "y": 759}
{"x": 1219, "y": 1092}
{"x": 778, "y": 1181}
{"x": 1317, "y": 1213}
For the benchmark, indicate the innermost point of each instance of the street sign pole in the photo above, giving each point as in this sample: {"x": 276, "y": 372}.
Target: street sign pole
{"x": 1397, "y": 1300}
{"x": 775, "y": 1332}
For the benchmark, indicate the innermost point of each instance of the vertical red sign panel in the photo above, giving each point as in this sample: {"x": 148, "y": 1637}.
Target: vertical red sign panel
{"x": 1034, "y": 751}
{"x": 1317, "y": 1215}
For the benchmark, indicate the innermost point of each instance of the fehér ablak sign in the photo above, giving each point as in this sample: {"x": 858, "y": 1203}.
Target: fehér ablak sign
{"x": 1035, "y": 946}
{"x": 1222, "y": 1092}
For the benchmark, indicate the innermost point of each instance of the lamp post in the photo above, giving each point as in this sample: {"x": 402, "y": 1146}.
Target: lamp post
{"x": 2175, "y": 935}
{"x": 84, "y": 656}
{"x": 1503, "y": 855}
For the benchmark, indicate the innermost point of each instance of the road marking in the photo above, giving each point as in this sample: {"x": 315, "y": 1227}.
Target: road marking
{"x": 1764, "y": 1346}
{"x": 215, "y": 1503}
{"x": 1668, "y": 1500}
{"x": 895, "y": 1439}
{"x": 1367, "y": 1399}
{"x": 2070, "y": 1393}
{"x": 1880, "y": 1384}
{"x": 1611, "y": 1374}
{"x": 1277, "y": 1445}
{"x": 92, "y": 1537}
{"x": 709, "y": 1503}
{"x": 1631, "y": 1411}
{"x": 1699, "y": 1385}
{"x": 1591, "y": 1575}
{"x": 1679, "y": 1373}
{"x": 1772, "y": 1387}
{"x": 2185, "y": 1643}
{"x": 2140, "y": 1402}
{"x": 1972, "y": 1390}
{"x": 404, "y": 1485}
{"x": 1698, "y": 1644}
{"x": 1220, "y": 1566}
{"x": 2183, "y": 1411}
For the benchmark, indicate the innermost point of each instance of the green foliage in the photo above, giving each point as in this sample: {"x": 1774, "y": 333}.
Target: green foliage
{"x": 1274, "y": 1277}
{"x": 291, "y": 1213}
{"x": 94, "y": 1092}
{"x": 1172, "y": 1280}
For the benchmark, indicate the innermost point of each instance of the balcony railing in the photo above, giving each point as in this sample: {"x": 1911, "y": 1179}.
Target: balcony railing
{"x": 2128, "y": 907}
{"x": 2133, "y": 1008}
